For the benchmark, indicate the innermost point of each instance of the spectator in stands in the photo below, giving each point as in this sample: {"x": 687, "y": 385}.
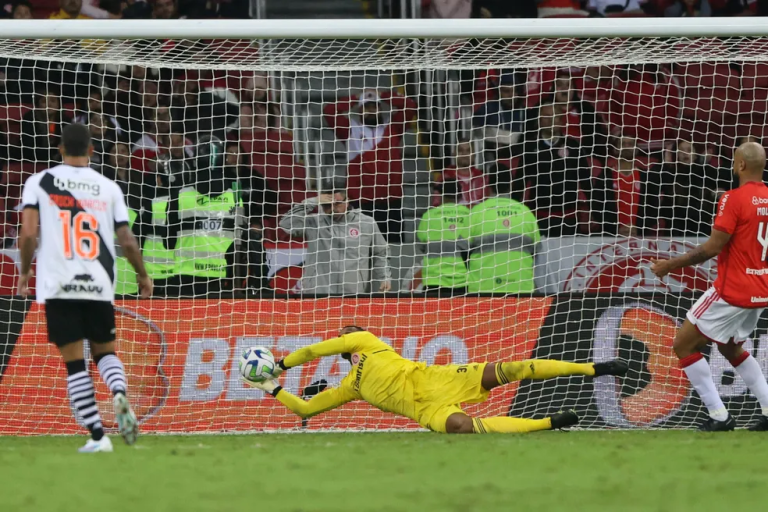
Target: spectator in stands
{"x": 157, "y": 140}
{"x": 103, "y": 137}
{"x": 500, "y": 122}
{"x": 166, "y": 10}
{"x": 345, "y": 249}
{"x": 92, "y": 9}
{"x": 443, "y": 238}
{"x": 373, "y": 126}
{"x": 504, "y": 236}
{"x": 621, "y": 202}
{"x": 124, "y": 104}
{"x": 736, "y": 7}
{"x": 581, "y": 120}
{"x": 690, "y": 189}
{"x": 261, "y": 200}
{"x": 266, "y": 113}
{"x": 472, "y": 183}
{"x": 137, "y": 187}
{"x": 608, "y": 7}
{"x": 93, "y": 104}
{"x": 549, "y": 8}
{"x": 149, "y": 92}
{"x": 503, "y": 9}
{"x": 22, "y": 10}
{"x": 449, "y": 9}
{"x": 184, "y": 100}
{"x": 41, "y": 128}
{"x": 689, "y": 8}
{"x": 553, "y": 168}
{"x": 69, "y": 10}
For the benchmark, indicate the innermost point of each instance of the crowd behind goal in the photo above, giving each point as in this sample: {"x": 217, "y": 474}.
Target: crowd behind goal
{"x": 213, "y": 169}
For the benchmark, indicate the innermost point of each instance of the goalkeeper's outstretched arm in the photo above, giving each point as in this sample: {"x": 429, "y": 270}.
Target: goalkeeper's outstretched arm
{"x": 325, "y": 401}
{"x": 344, "y": 344}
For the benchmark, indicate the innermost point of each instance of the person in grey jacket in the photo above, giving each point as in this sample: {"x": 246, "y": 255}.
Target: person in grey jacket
{"x": 344, "y": 247}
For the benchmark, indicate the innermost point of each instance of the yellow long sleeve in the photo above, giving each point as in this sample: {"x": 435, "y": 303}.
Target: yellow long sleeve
{"x": 325, "y": 401}
{"x": 349, "y": 343}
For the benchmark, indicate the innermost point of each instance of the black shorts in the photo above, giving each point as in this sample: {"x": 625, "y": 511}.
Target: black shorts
{"x": 72, "y": 320}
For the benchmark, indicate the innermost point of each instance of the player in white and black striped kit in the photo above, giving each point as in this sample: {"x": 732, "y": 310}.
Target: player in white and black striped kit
{"x": 78, "y": 212}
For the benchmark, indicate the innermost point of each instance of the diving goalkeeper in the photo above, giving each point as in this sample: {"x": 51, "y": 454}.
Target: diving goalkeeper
{"x": 429, "y": 395}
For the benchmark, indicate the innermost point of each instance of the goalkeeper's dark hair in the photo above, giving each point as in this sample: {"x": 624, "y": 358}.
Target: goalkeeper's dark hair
{"x": 351, "y": 328}
{"x": 76, "y": 140}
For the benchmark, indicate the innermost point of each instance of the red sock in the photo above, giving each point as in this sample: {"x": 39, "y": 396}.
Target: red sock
{"x": 689, "y": 360}
{"x": 739, "y": 359}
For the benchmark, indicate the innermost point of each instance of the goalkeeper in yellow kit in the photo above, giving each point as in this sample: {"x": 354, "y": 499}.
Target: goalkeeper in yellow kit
{"x": 429, "y": 395}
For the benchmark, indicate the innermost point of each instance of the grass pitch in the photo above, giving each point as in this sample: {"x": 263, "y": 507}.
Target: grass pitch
{"x": 676, "y": 471}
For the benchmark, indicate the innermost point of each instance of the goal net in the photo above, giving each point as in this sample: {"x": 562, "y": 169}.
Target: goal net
{"x": 483, "y": 197}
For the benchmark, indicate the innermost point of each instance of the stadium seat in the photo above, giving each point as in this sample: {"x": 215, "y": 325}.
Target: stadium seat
{"x": 17, "y": 172}
{"x": 710, "y": 90}
{"x": 9, "y": 275}
{"x": 10, "y": 117}
{"x": 754, "y": 79}
{"x": 646, "y": 106}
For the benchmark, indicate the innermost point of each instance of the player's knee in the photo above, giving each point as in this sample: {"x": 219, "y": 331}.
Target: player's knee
{"x": 459, "y": 424}
{"x": 683, "y": 345}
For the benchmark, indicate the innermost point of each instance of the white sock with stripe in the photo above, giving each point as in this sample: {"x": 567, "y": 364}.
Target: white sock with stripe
{"x": 83, "y": 399}
{"x": 749, "y": 369}
{"x": 113, "y": 373}
{"x": 699, "y": 373}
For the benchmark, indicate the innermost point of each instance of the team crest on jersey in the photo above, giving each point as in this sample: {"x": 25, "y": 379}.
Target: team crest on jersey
{"x": 354, "y": 232}
{"x": 355, "y": 358}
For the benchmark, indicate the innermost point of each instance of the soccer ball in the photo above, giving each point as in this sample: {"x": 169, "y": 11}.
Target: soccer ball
{"x": 257, "y": 364}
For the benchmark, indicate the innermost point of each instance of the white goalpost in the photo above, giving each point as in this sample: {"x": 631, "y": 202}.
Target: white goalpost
{"x": 519, "y": 176}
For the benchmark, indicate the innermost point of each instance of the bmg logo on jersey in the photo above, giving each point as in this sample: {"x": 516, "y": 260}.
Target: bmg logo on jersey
{"x": 67, "y": 184}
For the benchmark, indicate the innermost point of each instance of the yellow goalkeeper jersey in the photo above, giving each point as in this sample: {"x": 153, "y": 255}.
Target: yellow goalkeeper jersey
{"x": 379, "y": 375}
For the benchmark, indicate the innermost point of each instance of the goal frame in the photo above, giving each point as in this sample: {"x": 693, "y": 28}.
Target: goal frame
{"x": 388, "y": 28}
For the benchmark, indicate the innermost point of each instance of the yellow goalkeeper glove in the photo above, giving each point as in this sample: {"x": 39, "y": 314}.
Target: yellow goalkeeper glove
{"x": 268, "y": 386}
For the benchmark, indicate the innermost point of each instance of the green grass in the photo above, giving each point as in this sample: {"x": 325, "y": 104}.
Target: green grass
{"x": 578, "y": 471}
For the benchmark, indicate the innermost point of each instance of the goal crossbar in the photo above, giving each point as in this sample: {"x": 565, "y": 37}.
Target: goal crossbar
{"x": 385, "y": 29}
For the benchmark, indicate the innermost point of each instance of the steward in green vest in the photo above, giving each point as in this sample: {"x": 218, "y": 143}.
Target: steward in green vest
{"x": 210, "y": 218}
{"x": 443, "y": 235}
{"x": 125, "y": 281}
{"x": 504, "y": 236}
{"x": 159, "y": 258}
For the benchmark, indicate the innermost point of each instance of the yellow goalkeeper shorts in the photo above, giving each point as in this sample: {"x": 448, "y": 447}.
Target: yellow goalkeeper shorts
{"x": 439, "y": 392}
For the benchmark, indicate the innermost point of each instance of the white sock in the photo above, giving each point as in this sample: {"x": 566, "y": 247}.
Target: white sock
{"x": 698, "y": 372}
{"x": 82, "y": 398}
{"x": 749, "y": 370}
{"x": 113, "y": 373}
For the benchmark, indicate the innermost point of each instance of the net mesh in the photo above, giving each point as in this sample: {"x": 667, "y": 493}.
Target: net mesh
{"x": 573, "y": 163}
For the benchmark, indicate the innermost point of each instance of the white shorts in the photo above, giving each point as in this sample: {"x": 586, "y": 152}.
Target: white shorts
{"x": 721, "y": 322}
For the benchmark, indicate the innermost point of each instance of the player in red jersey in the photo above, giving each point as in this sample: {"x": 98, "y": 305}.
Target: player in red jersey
{"x": 728, "y": 312}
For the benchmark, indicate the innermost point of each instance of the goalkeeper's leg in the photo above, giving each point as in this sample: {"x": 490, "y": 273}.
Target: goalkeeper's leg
{"x": 499, "y": 374}
{"x": 460, "y": 423}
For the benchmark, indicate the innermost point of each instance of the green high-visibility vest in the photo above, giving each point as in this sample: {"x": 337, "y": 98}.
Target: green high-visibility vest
{"x": 504, "y": 236}
{"x": 445, "y": 232}
{"x": 207, "y": 232}
{"x": 159, "y": 260}
{"x": 125, "y": 282}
